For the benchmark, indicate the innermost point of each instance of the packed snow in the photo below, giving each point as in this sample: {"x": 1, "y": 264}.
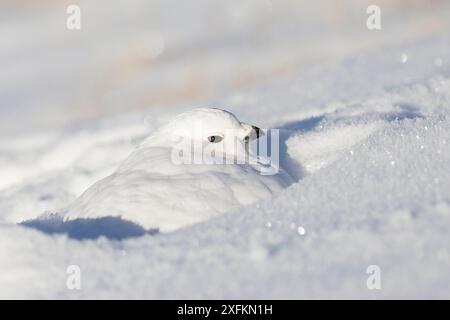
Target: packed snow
{"x": 365, "y": 136}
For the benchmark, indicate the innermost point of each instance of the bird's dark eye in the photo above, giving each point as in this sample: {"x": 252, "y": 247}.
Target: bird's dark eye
{"x": 214, "y": 139}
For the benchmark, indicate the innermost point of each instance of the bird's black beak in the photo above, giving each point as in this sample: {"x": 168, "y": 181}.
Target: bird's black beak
{"x": 256, "y": 133}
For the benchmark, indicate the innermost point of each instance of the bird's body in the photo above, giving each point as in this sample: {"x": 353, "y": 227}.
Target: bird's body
{"x": 157, "y": 189}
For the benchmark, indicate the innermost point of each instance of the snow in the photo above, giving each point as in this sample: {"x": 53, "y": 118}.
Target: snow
{"x": 366, "y": 134}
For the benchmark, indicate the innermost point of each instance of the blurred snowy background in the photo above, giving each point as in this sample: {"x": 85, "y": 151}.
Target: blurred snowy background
{"x": 367, "y": 114}
{"x": 133, "y": 55}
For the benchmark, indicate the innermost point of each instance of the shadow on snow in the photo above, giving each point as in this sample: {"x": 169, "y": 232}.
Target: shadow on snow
{"x": 110, "y": 227}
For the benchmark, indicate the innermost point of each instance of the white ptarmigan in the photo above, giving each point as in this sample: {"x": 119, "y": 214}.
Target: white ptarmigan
{"x": 168, "y": 182}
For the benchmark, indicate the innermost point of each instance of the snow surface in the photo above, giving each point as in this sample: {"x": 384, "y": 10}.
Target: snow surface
{"x": 368, "y": 139}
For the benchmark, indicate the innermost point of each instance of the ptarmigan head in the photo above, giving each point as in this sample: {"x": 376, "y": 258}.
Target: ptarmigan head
{"x": 213, "y": 132}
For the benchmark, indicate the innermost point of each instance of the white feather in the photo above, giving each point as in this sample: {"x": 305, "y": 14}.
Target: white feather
{"x": 151, "y": 189}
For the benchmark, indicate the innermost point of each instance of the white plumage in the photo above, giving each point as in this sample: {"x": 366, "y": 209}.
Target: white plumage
{"x": 156, "y": 188}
